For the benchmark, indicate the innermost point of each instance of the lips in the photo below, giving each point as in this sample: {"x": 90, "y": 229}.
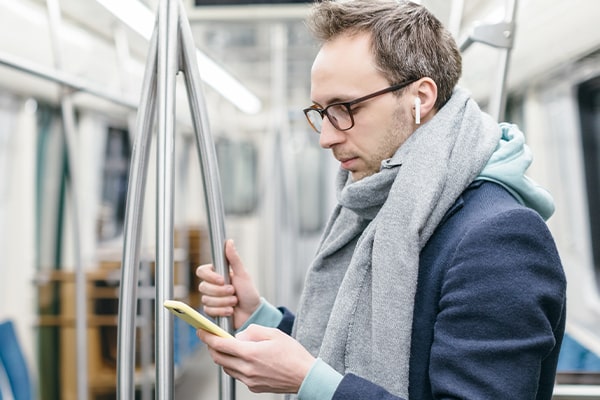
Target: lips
{"x": 346, "y": 160}
{"x": 346, "y": 163}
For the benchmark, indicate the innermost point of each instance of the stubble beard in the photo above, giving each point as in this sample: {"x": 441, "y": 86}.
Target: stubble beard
{"x": 394, "y": 137}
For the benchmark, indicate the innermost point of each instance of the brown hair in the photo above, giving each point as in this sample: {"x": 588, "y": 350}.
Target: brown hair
{"x": 408, "y": 41}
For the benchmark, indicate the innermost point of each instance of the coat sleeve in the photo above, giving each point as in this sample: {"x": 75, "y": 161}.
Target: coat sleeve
{"x": 354, "y": 387}
{"x": 287, "y": 321}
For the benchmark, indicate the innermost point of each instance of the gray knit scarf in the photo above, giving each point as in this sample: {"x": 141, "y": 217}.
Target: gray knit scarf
{"x": 356, "y": 309}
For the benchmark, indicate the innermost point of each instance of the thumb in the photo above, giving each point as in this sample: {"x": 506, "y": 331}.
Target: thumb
{"x": 255, "y": 333}
{"x": 235, "y": 262}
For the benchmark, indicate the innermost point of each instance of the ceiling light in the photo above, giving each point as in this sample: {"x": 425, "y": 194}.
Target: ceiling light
{"x": 139, "y": 18}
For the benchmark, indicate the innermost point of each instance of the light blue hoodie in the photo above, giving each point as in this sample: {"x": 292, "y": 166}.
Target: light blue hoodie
{"x": 507, "y": 167}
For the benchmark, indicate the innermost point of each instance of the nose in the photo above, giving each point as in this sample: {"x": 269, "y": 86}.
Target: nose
{"x": 330, "y": 136}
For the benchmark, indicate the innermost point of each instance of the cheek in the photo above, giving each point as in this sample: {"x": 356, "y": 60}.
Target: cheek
{"x": 402, "y": 127}
{"x": 383, "y": 131}
{"x": 395, "y": 133}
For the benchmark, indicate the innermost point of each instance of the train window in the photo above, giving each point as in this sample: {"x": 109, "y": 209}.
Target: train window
{"x": 7, "y": 122}
{"x": 51, "y": 172}
{"x": 114, "y": 183}
{"x": 589, "y": 111}
{"x": 238, "y": 169}
{"x": 310, "y": 185}
{"x": 515, "y": 109}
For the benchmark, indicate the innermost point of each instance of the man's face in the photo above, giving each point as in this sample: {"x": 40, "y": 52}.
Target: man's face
{"x": 344, "y": 70}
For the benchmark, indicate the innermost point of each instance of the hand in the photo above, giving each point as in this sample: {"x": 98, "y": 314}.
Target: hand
{"x": 256, "y": 358}
{"x": 239, "y": 299}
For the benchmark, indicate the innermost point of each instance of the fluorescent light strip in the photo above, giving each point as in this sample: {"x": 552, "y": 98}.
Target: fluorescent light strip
{"x": 26, "y": 10}
{"x": 38, "y": 15}
{"x": 139, "y": 18}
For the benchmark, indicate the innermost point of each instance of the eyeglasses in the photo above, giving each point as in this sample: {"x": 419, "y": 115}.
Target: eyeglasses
{"x": 340, "y": 114}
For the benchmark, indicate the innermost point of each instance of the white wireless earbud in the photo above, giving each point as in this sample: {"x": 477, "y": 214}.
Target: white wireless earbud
{"x": 417, "y": 110}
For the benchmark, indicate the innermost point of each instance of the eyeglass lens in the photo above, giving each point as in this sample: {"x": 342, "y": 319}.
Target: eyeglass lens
{"x": 337, "y": 114}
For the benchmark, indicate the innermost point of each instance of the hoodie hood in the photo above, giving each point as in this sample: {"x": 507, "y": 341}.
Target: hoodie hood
{"x": 507, "y": 167}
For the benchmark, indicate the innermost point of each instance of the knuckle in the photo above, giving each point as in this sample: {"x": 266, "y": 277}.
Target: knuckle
{"x": 249, "y": 373}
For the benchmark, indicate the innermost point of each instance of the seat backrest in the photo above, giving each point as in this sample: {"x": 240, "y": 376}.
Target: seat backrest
{"x": 13, "y": 363}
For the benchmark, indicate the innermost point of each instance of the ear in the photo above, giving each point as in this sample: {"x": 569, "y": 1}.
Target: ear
{"x": 426, "y": 90}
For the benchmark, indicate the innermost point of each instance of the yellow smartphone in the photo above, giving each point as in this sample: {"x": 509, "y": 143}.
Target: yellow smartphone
{"x": 194, "y": 318}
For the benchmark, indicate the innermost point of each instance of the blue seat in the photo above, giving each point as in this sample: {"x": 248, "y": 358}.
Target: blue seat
{"x": 14, "y": 364}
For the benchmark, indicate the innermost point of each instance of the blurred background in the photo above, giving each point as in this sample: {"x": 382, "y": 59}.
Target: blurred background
{"x": 71, "y": 74}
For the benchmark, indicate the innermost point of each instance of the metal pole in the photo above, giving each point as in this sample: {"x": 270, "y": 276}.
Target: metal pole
{"x": 498, "y": 102}
{"x": 132, "y": 229}
{"x": 210, "y": 174}
{"x": 54, "y": 20}
{"x": 146, "y": 335}
{"x": 500, "y": 35}
{"x": 68, "y": 81}
{"x": 159, "y": 81}
{"x": 286, "y": 195}
{"x": 167, "y": 70}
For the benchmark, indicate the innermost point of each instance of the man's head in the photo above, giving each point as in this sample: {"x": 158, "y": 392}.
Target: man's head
{"x": 407, "y": 40}
{"x": 367, "y": 46}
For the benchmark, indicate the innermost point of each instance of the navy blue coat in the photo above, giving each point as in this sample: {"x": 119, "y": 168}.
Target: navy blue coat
{"x": 489, "y": 312}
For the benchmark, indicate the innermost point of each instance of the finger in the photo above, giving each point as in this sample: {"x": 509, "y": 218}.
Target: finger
{"x": 229, "y": 363}
{"x": 235, "y": 262}
{"x": 207, "y": 273}
{"x": 219, "y": 311}
{"x": 211, "y": 301}
{"x": 224, "y": 346}
{"x": 232, "y": 373}
{"x": 256, "y": 333}
{"x": 219, "y": 306}
{"x": 215, "y": 290}
{"x": 218, "y": 301}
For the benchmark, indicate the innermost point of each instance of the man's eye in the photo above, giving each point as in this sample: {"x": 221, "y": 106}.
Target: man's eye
{"x": 340, "y": 110}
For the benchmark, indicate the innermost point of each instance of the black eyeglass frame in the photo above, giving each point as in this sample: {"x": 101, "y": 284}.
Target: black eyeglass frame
{"x": 348, "y": 105}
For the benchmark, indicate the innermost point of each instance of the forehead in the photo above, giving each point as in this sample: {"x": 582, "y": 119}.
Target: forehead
{"x": 345, "y": 68}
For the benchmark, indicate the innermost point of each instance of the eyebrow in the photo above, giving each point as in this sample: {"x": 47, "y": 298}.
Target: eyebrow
{"x": 332, "y": 101}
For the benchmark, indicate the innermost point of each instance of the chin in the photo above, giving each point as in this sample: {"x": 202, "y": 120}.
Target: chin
{"x": 357, "y": 176}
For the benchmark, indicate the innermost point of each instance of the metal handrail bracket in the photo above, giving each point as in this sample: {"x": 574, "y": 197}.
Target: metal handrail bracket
{"x": 500, "y": 35}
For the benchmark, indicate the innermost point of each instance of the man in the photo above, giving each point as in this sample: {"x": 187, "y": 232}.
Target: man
{"x": 436, "y": 276}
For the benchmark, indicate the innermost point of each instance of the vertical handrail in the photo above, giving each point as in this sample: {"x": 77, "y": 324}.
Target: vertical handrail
{"x": 132, "y": 228}
{"x": 497, "y": 106}
{"x": 286, "y": 217}
{"x": 146, "y": 344}
{"x": 172, "y": 43}
{"x": 68, "y": 119}
{"x": 210, "y": 175}
{"x": 167, "y": 70}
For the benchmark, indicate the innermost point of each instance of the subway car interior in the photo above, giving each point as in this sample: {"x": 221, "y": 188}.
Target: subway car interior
{"x": 124, "y": 166}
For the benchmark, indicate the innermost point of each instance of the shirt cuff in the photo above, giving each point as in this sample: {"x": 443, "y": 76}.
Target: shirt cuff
{"x": 320, "y": 383}
{"x": 265, "y": 315}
